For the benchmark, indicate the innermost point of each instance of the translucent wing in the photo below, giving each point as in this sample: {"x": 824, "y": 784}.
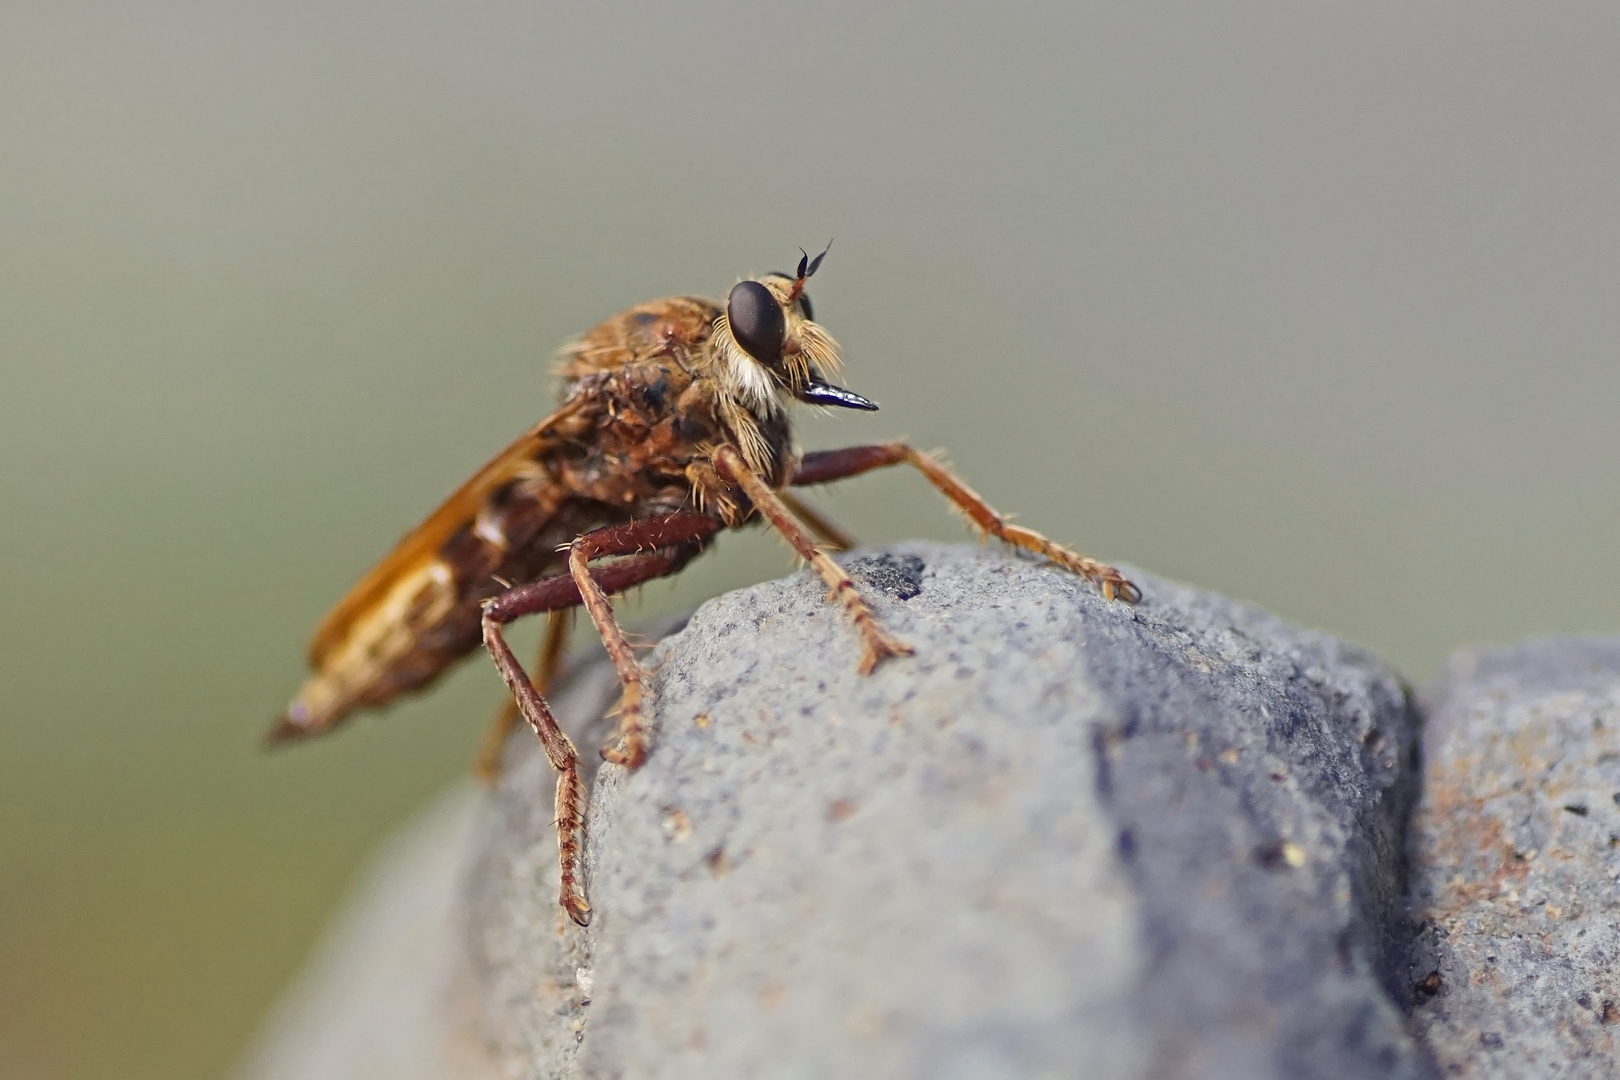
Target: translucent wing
{"x": 411, "y": 615}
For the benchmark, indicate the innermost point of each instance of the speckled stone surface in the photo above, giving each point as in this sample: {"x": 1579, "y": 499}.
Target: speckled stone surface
{"x": 1068, "y": 838}
{"x": 1516, "y": 858}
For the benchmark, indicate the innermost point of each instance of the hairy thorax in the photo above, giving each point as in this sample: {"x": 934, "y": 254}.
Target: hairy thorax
{"x": 667, "y": 399}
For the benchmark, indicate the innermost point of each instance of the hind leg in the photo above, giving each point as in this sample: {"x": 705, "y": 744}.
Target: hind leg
{"x": 547, "y": 665}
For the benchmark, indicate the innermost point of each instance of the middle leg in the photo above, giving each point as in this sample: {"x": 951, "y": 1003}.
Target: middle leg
{"x": 677, "y": 539}
{"x": 689, "y": 531}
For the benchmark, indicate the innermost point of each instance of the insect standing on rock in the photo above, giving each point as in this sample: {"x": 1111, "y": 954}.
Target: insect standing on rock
{"x": 674, "y": 425}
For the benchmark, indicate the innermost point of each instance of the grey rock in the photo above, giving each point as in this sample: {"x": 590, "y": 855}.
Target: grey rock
{"x": 387, "y": 993}
{"x": 382, "y": 997}
{"x": 1069, "y": 837}
{"x": 1515, "y": 863}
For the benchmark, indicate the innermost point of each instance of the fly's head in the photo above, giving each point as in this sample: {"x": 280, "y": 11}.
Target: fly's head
{"x": 769, "y": 348}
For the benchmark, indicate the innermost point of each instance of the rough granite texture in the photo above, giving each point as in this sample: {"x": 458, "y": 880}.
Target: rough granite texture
{"x": 1516, "y": 858}
{"x": 1068, "y": 838}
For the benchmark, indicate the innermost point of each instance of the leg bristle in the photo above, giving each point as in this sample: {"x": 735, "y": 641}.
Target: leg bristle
{"x": 631, "y": 752}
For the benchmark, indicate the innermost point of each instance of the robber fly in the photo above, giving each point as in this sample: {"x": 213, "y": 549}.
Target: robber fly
{"x": 674, "y": 424}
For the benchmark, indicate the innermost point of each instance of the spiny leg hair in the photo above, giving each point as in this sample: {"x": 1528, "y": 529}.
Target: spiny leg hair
{"x": 877, "y": 644}
{"x": 546, "y": 667}
{"x": 676, "y": 539}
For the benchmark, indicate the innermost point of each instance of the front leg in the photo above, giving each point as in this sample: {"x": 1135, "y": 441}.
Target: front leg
{"x": 825, "y": 465}
{"x": 877, "y": 644}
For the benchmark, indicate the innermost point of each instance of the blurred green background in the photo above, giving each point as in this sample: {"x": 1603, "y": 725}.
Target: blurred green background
{"x": 1315, "y": 307}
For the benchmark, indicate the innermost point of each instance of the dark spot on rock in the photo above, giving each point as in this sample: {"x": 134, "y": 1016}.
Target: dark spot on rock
{"x": 1577, "y": 809}
{"x": 1270, "y": 855}
{"x": 1126, "y": 842}
{"x": 840, "y": 809}
{"x": 1584, "y": 1001}
{"x": 1099, "y": 751}
{"x": 898, "y": 575}
{"x": 1609, "y": 1014}
{"x": 1428, "y": 986}
{"x": 1490, "y": 1040}
{"x": 1347, "y": 957}
{"x": 716, "y": 862}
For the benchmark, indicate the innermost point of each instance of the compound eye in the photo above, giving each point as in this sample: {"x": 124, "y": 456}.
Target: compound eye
{"x": 757, "y": 321}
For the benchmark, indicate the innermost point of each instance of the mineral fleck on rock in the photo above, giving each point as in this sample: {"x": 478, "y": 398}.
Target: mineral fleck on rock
{"x": 1516, "y": 855}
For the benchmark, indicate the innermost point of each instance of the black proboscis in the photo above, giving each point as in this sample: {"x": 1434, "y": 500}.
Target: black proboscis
{"x": 825, "y": 393}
